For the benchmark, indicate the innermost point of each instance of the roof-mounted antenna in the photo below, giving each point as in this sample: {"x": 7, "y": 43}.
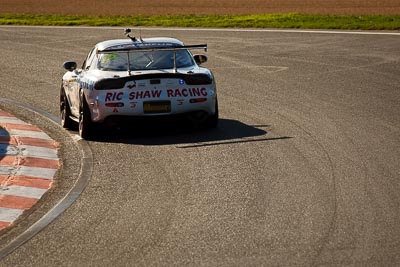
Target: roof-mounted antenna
{"x": 140, "y": 35}
{"x": 127, "y": 33}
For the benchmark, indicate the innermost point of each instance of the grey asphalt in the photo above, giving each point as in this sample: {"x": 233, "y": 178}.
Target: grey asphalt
{"x": 303, "y": 170}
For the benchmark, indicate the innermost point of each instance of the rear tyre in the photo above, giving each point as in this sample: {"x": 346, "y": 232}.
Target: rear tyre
{"x": 212, "y": 121}
{"x": 65, "y": 111}
{"x": 85, "y": 121}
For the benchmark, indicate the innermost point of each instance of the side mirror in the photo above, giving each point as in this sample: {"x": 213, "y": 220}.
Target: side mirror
{"x": 200, "y": 59}
{"x": 70, "y": 65}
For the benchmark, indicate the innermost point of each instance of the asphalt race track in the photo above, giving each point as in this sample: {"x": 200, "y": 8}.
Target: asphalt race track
{"x": 303, "y": 170}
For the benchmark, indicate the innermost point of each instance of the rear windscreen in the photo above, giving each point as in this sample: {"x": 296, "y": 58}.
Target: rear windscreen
{"x": 145, "y": 60}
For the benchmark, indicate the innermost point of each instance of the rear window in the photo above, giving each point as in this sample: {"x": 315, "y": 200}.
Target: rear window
{"x": 146, "y": 60}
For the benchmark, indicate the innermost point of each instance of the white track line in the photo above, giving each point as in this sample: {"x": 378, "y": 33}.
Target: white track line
{"x": 396, "y": 33}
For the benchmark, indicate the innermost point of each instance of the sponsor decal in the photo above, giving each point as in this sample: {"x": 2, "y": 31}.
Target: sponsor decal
{"x": 156, "y": 93}
{"x": 145, "y": 94}
{"x": 185, "y": 92}
{"x": 131, "y": 85}
{"x": 142, "y": 45}
{"x": 113, "y": 96}
{"x": 86, "y": 84}
{"x": 180, "y": 102}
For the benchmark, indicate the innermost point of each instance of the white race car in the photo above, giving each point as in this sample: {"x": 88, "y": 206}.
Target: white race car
{"x": 137, "y": 77}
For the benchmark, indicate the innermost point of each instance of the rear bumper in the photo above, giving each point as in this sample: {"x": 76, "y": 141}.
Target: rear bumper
{"x": 134, "y": 110}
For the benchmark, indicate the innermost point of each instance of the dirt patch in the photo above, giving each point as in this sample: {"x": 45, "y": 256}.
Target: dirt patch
{"x": 198, "y": 7}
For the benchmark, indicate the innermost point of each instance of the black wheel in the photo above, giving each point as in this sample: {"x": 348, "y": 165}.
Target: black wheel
{"x": 65, "y": 111}
{"x": 212, "y": 121}
{"x": 85, "y": 120}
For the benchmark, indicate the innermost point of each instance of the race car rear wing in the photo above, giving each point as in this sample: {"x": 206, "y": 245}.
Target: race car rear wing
{"x": 149, "y": 47}
{"x": 143, "y": 47}
{"x": 140, "y": 44}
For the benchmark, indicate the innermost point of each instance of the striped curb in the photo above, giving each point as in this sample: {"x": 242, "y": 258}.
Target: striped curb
{"x": 28, "y": 164}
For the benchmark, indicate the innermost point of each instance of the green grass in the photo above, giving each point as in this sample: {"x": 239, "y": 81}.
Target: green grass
{"x": 371, "y": 22}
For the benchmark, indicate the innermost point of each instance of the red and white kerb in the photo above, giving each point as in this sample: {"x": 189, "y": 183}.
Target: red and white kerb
{"x": 28, "y": 164}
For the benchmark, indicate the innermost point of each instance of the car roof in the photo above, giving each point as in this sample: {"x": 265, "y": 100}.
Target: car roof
{"x": 157, "y": 42}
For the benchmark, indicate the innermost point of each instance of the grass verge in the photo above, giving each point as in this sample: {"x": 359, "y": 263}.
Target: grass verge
{"x": 370, "y": 22}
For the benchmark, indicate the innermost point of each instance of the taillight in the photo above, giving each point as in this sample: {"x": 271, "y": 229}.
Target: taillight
{"x": 115, "y": 105}
{"x": 198, "y": 100}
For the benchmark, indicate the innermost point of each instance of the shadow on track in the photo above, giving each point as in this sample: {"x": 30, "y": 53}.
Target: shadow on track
{"x": 5, "y": 140}
{"x": 177, "y": 133}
